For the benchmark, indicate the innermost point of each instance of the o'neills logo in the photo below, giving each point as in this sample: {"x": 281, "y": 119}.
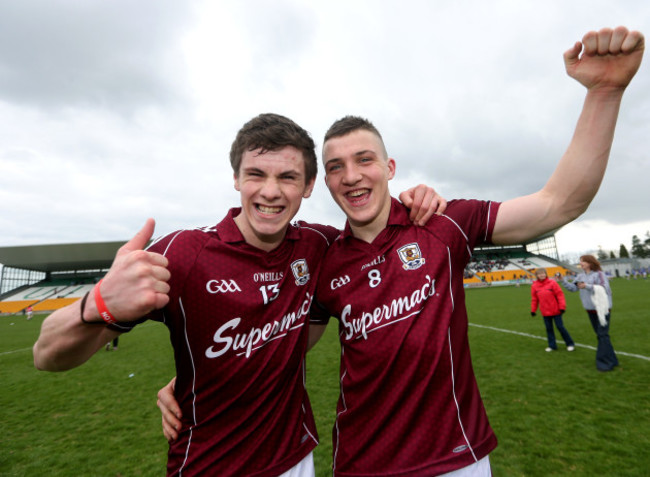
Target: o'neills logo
{"x": 268, "y": 277}
{"x": 379, "y": 259}
{"x": 398, "y": 309}
{"x": 228, "y": 337}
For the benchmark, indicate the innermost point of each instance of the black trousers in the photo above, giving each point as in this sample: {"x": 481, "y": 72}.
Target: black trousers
{"x": 605, "y": 356}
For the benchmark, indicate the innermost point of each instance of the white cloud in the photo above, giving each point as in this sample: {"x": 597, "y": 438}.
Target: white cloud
{"x": 113, "y": 55}
{"x": 111, "y": 112}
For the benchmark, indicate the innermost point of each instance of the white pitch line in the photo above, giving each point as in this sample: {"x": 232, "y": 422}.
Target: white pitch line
{"x": 527, "y": 335}
{"x": 144, "y": 325}
{"x": 15, "y": 351}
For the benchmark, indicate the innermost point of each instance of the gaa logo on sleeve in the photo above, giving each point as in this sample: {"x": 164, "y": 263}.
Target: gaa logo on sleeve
{"x": 300, "y": 271}
{"x": 411, "y": 256}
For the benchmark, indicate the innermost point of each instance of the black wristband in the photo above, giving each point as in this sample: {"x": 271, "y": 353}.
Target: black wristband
{"x": 83, "y": 307}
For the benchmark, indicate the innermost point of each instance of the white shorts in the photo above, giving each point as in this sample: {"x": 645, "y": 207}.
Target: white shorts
{"x": 304, "y": 468}
{"x": 477, "y": 469}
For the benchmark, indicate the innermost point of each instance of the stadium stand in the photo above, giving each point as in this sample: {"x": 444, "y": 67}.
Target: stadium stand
{"x": 513, "y": 265}
{"x": 44, "y": 297}
{"x": 48, "y": 277}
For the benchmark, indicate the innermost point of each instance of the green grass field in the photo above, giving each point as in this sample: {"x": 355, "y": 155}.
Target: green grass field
{"x": 553, "y": 413}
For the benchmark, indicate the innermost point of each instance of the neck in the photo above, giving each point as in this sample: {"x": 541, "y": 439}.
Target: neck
{"x": 368, "y": 231}
{"x": 263, "y": 242}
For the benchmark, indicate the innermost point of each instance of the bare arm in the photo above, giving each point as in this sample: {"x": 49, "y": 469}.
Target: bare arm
{"x": 64, "y": 330}
{"x": 135, "y": 285}
{"x": 609, "y": 61}
{"x": 315, "y": 333}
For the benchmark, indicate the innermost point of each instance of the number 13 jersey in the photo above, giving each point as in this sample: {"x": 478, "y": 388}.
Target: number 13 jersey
{"x": 238, "y": 319}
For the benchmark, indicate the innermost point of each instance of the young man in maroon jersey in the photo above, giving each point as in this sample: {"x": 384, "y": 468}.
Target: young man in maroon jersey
{"x": 409, "y": 403}
{"x": 235, "y": 297}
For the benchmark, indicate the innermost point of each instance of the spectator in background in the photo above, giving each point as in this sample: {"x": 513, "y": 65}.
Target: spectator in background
{"x": 547, "y": 294}
{"x": 115, "y": 342}
{"x": 596, "y": 297}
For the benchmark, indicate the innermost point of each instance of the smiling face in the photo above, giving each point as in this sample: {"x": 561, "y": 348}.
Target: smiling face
{"x": 272, "y": 185}
{"x": 357, "y": 172}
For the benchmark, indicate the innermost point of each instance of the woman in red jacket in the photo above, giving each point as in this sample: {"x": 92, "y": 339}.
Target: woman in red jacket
{"x": 548, "y": 295}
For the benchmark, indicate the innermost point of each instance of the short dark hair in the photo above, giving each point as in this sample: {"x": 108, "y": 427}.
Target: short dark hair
{"x": 349, "y": 124}
{"x": 271, "y": 132}
{"x": 593, "y": 262}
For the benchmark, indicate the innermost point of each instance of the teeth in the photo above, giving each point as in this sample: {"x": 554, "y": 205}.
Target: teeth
{"x": 357, "y": 193}
{"x": 269, "y": 210}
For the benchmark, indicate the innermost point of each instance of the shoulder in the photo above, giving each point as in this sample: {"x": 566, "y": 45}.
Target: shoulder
{"x": 469, "y": 213}
{"x": 460, "y": 207}
{"x": 181, "y": 240}
{"x": 465, "y": 220}
{"x": 182, "y": 248}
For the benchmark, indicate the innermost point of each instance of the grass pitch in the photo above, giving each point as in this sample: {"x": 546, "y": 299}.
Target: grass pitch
{"x": 553, "y": 413}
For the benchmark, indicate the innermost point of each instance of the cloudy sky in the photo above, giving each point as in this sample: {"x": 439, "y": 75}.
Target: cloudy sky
{"x": 115, "y": 111}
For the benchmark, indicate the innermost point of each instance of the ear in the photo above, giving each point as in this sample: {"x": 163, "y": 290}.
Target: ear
{"x": 237, "y": 188}
{"x": 391, "y": 167}
{"x": 309, "y": 188}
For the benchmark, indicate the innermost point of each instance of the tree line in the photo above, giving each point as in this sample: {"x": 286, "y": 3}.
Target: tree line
{"x": 640, "y": 249}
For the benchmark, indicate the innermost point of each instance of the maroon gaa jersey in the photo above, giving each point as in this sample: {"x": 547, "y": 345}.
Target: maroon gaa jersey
{"x": 409, "y": 402}
{"x": 238, "y": 323}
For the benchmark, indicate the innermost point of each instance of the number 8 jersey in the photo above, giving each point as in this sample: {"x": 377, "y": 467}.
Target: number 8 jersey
{"x": 409, "y": 402}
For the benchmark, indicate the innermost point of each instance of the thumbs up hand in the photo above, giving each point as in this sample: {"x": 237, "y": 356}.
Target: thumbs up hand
{"x": 136, "y": 283}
